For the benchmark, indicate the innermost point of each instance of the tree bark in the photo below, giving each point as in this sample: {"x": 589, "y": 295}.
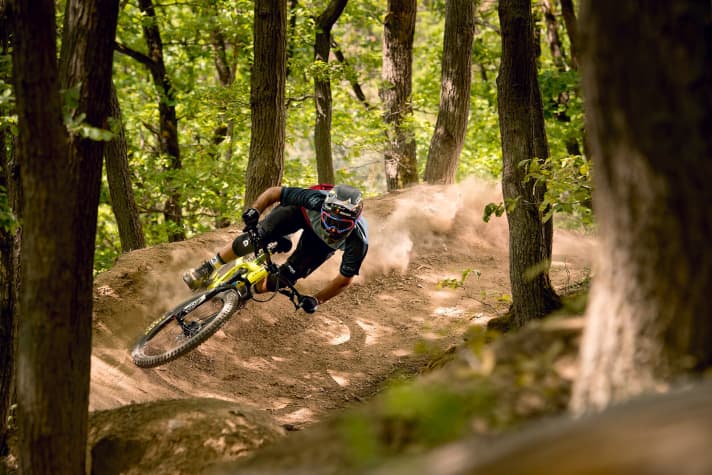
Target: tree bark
{"x": 61, "y": 176}
{"x": 8, "y": 296}
{"x": 648, "y": 113}
{"x": 552, "y": 34}
{"x": 267, "y": 98}
{"x": 226, "y": 75}
{"x": 119, "y": 177}
{"x": 523, "y": 139}
{"x": 456, "y": 78}
{"x": 401, "y": 166}
{"x": 322, "y": 91}
{"x": 569, "y": 14}
{"x": 168, "y": 120}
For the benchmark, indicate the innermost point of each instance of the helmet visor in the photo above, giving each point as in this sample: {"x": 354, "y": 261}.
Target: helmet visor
{"x": 337, "y": 225}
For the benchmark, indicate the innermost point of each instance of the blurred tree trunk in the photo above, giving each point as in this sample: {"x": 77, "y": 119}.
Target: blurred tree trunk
{"x": 168, "y": 120}
{"x": 61, "y": 177}
{"x": 401, "y": 164}
{"x": 456, "y": 77}
{"x": 291, "y": 36}
{"x": 322, "y": 90}
{"x": 569, "y": 14}
{"x": 523, "y": 140}
{"x": 557, "y": 52}
{"x": 267, "y": 98}
{"x": 552, "y": 34}
{"x": 226, "y": 75}
{"x": 8, "y": 296}
{"x": 7, "y": 304}
{"x": 541, "y": 153}
{"x": 649, "y": 110}
{"x": 119, "y": 177}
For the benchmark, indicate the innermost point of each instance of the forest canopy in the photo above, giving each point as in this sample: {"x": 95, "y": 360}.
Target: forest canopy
{"x": 214, "y": 113}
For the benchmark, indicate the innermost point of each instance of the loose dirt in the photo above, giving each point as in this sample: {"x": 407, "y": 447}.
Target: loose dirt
{"x": 433, "y": 270}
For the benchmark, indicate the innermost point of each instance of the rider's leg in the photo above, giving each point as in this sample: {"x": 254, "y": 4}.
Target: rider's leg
{"x": 196, "y": 278}
{"x": 311, "y": 252}
{"x": 281, "y": 221}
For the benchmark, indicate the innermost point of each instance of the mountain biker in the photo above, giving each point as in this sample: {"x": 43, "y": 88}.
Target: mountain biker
{"x": 330, "y": 220}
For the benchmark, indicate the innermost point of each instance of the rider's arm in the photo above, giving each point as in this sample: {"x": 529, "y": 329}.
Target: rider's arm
{"x": 333, "y": 288}
{"x": 267, "y": 198}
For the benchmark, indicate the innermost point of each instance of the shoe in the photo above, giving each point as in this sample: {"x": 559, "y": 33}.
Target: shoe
{"x": 197, "y": 278}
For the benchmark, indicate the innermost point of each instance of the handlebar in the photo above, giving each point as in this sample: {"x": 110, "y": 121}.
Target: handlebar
{"x": 260, "y": 245}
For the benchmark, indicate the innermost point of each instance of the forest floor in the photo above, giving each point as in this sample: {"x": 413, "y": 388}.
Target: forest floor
{"x": 272, "y": 374}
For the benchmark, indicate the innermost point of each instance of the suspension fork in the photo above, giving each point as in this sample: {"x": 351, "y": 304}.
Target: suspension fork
{"x": 179, "y": 316}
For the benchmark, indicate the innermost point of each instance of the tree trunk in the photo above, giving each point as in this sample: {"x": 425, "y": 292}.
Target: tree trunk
{"x": 322, "y": 90}
{"x": 119, "y": 177}
{"x": 522, "y": 139}
{"x": 569, "y": 14}
{"x": 267, "y": 98}
{"x": 7, "y": 301}
{"x": 541, "y": 153}
{"x": 401, "y": 164}
{"x": 168, "y": 120}
{"x": 552, "y": 34}
{"x": 649, "y": 110}
{"x": 456, "y": 77}
{"x": 8, "y": 296}
{"x": 226, "y": 75}
{"x": 61, "y": 178}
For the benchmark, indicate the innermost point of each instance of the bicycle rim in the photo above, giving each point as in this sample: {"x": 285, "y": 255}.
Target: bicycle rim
{"x": 165, "y": 339}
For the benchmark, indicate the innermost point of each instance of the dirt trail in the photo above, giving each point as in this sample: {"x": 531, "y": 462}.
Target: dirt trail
{"x": 294, "y": 367}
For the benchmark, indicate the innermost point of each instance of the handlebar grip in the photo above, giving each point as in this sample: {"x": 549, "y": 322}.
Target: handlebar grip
{"x": 309, "y": 304}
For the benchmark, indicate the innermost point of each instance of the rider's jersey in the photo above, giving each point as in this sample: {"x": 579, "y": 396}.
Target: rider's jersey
{"x": 354, "y": 245}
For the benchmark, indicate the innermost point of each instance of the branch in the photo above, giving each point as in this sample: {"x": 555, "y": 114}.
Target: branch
{"x": 354, "y": 83}
{"x": 137, "y": 55}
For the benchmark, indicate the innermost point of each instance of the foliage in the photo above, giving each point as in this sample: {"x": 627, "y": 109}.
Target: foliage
{"x": 214, "y": 117}
{"x": 107, "y": 238}
{"x": 568, "y": 186}
{"x": 76, "y": 123}
{"x": 7, "y": 218}
{"x": 493, "y": 384}
{"x": 8, "y": 121}
{"x": 455, "y": 283}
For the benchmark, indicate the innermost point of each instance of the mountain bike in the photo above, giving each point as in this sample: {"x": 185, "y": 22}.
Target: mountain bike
{"x": 229, "y": 288}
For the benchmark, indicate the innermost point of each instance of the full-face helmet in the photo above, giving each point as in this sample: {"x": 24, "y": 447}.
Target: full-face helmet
{"x": 341, "y": 208}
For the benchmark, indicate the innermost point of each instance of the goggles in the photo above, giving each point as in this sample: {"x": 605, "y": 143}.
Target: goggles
{"x": 336, "y": 225}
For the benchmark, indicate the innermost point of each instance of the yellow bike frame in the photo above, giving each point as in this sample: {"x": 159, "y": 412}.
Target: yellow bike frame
{"x": 254, "y": 270}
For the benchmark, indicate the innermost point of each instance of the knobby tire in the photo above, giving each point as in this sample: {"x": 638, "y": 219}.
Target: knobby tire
{"x": 218, "y": 310}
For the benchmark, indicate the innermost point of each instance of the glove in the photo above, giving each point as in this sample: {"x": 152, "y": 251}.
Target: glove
{"x": 282, "y": 244}
{"x": 309, "y": 304}
{"x": 250, "y": 217}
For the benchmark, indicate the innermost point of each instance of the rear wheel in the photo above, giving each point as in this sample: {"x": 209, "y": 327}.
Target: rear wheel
{"x": 167, "y": 339}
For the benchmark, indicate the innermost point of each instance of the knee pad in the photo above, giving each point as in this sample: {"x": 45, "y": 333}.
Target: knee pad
{"x": 242, "y": 245}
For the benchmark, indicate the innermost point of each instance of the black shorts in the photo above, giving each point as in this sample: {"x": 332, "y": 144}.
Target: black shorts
{"x": 311, "y": 251}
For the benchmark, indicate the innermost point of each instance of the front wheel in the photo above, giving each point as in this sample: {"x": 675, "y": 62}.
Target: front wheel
{"x": 167, "y": 338}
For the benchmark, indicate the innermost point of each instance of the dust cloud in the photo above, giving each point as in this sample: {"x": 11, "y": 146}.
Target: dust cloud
{"x": 421, "y": 219}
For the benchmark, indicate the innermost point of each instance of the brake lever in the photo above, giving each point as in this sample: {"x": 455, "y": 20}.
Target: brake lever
{"x": 294, "y": 297}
